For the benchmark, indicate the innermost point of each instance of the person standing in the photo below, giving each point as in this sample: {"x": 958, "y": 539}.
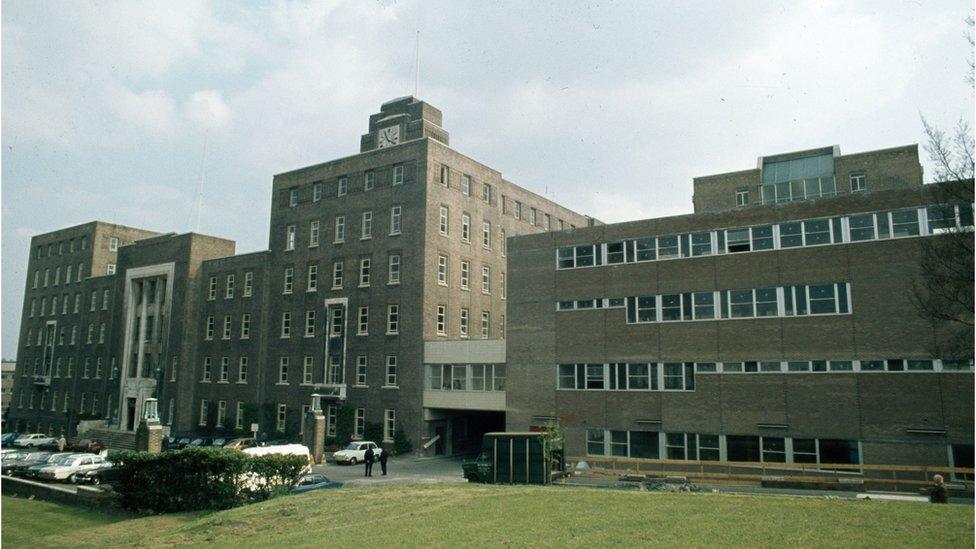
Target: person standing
{"x": 383, "y": 457}
{"x": 938, "y": 492}
{"x": 62, "y": 443}
{"x": 368, "y": 459}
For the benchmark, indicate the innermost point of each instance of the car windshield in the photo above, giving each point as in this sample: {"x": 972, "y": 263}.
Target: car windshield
{"x": 353, "y": 446}
{"x": 59, "y": 459}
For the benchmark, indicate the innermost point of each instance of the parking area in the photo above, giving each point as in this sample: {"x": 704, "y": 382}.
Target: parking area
{"x": 399, "y": 469}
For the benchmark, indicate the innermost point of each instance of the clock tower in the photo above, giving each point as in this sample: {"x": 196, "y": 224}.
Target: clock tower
{"x": 400, "y": 120}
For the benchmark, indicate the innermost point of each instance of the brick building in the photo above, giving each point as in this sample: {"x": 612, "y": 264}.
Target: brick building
{"x": 774, "y": 324}
{"x": 369, "y": 257}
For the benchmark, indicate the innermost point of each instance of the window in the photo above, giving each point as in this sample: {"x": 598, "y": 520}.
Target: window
{"x": 904, "y": 223}
{"x": 288, "y": 280}
{"x": 368, "y": 180}
{"x": 207, "y": 369}
{"x": 343, "y": 186}
{"x": 463, "y": 330}
{"x": 238, "y": 417}
{"x": 742, "y": 197}
{"x": 226, "y": 331}
{"x": 313, "y": 234}
{"x": 78, "y": 273}
{"x": 391, "y": 371}
{"x": 67, "y": 274}
{"x": 486, "y": 193}
{"x": 701, "y": 244}
{"x": 486, "y": 235}
{"x": 204, "y": 412}
{"x": 290, "y": 238}
{"x": 334, "y": 374}
{"x": 337, "y": 321}
{"x": 330, "y": 423}
{"x": 465, "y": 274}
{"x": 229, "y": 287}
{"x": 211, "y": 292}
{"x": 242, "y": 370}
{"x": 363, "y": 321}
{"x": 485, "y": 324}
{"x": 395, "y": 220}
{"x": 317, "y": 191}
{"x": 389, "y": 425}
{"x": 364, "y": 270}
{"x": 595, "y": 442}
{"x": 281, "y": 417}
{"x": 445, "y": 176}
{"x": 443, "y": 222}
{"x": 359, "y": 426}
{"x": 518, "y": 210}
{"x": 57, "y": 276}
{"x": 337, "y": 275}
{"x": 394, "y": 269}
{"x": 248, "y": 283}
{"x": 283, "y": 370}
{"x": 312, "y": 278}
{"x": 486, "y": 280}
{"x": 392, "y": 319}
{"x": 285, "y": 325}
{"x": 532, "y": 216}
{"x": 442, "y": 270}
{"x": 466, "y": 184}
{"x": 858, "y": 183}
{"x": 361, "y": 364}
{"x": 465, "y": 227}
{"x": 367, "y": 225}
{"x": 224, "y": 369}
{"x": 307, "y": 371}
{"x": 441, "y": 320}
{"x": 292, "y": 197}
{"x": 209, "y": 333}
{"x": 310, "y": 323}
{"x": 340, "y": 229}
{"x": 823, "y": 299}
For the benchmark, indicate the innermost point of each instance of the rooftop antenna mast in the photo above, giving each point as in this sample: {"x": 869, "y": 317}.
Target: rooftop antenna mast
{"x": 203, "y": 171}
{"x": 416, "y": 81}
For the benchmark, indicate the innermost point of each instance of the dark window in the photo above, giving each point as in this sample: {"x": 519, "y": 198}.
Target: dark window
{"x": 839, "y": 451}
{"x": 644, "y": 444}
{"x": 742, "y": 448}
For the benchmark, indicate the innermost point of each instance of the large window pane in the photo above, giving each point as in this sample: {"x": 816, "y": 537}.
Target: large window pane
{"x": 644, "y": 444}
{"x": 615, "y": 253}
{"x": 701, "y": 244}
{"x": 646, "y": 249}
{"x": 671, "y": 307}
{"x": 667, "y": 246}
{"x": 790, "y": 235}
{"x": 738, "y": 240}
{"x": 862, "y": 227}
{"x": 704, "y": 305}
{"x": 708, "y": 448}
{"x": 594, "y": 376}
{"x": 594, "y": 442}
{"x": 839, "y": 451}
{"x": 673, "y": 376}
{"x": 774, "y": 449}
{"x": 822, "y": 300}
{"x": 762, "y": 237}
{"x": 637, "y": 377}
{"x": 618, "y": 443}
{"x": 646, "y": 309}
{"x": 742, "y": 304}
{"x": 817, "y": 232}
{"x": 766, "y": 302}
{"x": 584, "y": 256}
{"x": 675, "y": 445}
{"x": 742, "y": 448}
{"x": 904, "y": 223}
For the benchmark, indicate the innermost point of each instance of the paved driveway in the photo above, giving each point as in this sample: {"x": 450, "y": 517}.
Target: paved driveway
{"x": 399, "y": 469}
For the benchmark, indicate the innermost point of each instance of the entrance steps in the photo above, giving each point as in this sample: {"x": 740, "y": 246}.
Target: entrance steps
{"x": 113, "y": 438}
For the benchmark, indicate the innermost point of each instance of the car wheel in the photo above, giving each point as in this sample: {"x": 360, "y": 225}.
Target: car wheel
{"x": 96, "y": 480}
{"x": 352, "y": 461}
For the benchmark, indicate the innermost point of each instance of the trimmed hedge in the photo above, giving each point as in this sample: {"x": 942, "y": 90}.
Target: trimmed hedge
{"x": 202, "y": 478}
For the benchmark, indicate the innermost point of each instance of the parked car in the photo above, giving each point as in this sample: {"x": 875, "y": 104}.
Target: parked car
{"x": 285, "y": 449}
{"x": 219, "y": 442}
{"x": 22, "y": 462}
{"x": 53, "y": 459}
{"x": 355, "y": 452}
{"x": 86, "y": 445}
{"x": 34, "y": 439}
{"x": 176, "y": 443}
{"x": 240, "y": 443}
{"x": 75, "y": 463}
{"x": 313, "y": 481}
{"x": 7, "y": 439}
{"x": 10, "y": 453}
{"x": 107, "y": 473}
{"x": 200, "y": 442}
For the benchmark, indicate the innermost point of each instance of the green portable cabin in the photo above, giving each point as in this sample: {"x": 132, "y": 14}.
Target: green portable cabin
{"x": 518, "y": 458}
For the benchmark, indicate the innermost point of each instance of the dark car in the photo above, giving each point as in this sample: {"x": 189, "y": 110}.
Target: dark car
{"x": 107, "y": 474}
{"x": 26, "y": 461}
{"x": 200, "y": 442}
{"x": 313, "y": 481}
{"x": 86, "y": 445}
{"x": 7, "y": 439}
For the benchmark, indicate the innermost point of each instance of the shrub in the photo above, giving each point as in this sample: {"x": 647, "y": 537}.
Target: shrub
{"x": 201, "y": 478}
{"x": 401, "y": 444}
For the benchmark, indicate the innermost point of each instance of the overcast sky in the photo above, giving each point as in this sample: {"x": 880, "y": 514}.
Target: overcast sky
{"x": 609, "y": 108}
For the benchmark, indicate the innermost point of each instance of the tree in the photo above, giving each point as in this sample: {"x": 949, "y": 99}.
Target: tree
{"x": 943, "y": 293}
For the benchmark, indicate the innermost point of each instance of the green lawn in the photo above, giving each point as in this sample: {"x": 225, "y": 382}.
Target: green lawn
{"x": 476, "y": 515}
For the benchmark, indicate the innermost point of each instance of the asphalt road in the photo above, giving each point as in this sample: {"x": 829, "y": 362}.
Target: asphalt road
{"x": 399, "y": 469}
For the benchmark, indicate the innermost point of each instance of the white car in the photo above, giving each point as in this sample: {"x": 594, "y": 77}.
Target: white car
{"x": 76, "y": 463}
{"x": 356, "y": 452}
{"x": 35, "y": 439}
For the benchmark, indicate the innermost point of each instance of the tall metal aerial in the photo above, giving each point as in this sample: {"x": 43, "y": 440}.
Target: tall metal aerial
{"x": 416, "y": 82}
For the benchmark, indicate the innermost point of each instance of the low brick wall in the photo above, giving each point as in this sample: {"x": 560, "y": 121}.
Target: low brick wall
{"x": 85, "y": 495}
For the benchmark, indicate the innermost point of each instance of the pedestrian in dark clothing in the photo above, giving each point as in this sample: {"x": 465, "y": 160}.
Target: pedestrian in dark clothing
{"x": 938, "y": 493}
{"x": 368, "y": 458}
{"x": 383, "y": 457}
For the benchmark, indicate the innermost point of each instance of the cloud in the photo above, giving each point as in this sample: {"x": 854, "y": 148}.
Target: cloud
{"x": 207, "y": 109}
{"x": 152, "y": 111}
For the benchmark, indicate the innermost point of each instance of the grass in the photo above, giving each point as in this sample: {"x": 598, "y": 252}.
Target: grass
{"x": 476, "y": 515}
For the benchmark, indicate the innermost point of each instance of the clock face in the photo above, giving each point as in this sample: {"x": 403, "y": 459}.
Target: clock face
{"x": 388, "y": 136}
